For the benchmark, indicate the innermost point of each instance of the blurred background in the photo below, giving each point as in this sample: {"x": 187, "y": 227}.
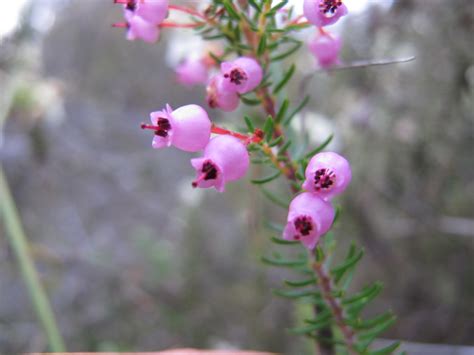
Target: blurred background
{"x": 134, "y": 259}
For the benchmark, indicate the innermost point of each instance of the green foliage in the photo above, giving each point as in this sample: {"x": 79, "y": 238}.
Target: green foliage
{"x": 307, "y": 288}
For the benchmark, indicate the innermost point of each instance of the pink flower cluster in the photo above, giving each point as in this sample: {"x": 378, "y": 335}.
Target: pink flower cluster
{"x": 189, "y": 128}
{"x": 143, "y": 18}
{"x": 311, "y": 214}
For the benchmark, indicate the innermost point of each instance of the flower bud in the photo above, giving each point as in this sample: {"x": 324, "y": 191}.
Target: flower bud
{"x": 138, "y": 28}
{"x": 309, "y": 217}
{"x": 225, "y": 159}
{"x": 218, "y": 96}
{"x": 241, "y": 75}
{"x": 326, "y": 49}
{"x": 152, "y": 11}
{"x": 328, "y": 174}
{"x": 192, "y": 71}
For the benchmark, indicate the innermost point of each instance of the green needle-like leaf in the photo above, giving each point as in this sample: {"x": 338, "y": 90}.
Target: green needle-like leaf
{"x": 366, "y": 295}
{"x": 284, "y": 242}
{"x": 303, "y": 283}
{"x": 296, "y": 293}
{"x": 309, "y": 328}
{"x": 249, "y": 123}
{"x": 262, "y": 45}
{"x": 296, "y": 110}
{"x": 320, "y": 147}
{"x": 276, "y": 141}
{"x": 283, "y": 262}
{"x": 266, "y": 179}
{"x": 339, "y": 271}
{"x": 275, "y": 199}
{"x": 287, "y": 53}
{"x": 250, "y": 102}
{"x": 282, "y": 111}
{"x": 386, "y": 350}
{"x": 286, "y": 77}
{"x": 255, "y": 5}
{"x": 268, "y": 127}
{"x": 369, "y": 323}
{"x": 230, "y": 9}
{"x": 284, "y": 147}
{"x": 367, "y": 338}
{"x": 322, "y": 316}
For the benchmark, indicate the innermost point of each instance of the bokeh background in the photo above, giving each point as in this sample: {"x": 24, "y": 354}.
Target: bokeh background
{"x": 134, "y": 259}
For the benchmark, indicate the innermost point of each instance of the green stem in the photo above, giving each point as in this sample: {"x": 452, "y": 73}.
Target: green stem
{"x": 19, "y": 243}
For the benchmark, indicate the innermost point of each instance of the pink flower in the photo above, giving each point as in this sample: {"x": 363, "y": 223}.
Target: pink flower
{"x": 138, "y": 28}
{"x": 326, "y": 50}
{"x": 324, "y": 12}
{"x": 328, "y": 174}
{"x": 152, "y": 11}
{"x": 218, "y": 96}
{"x": 187, "y": 128}
{"x": 309, "y": 217}
{"x": 225, "y": 159}
{"x": 241, "y": 75}
{"x": 192, "y": 71}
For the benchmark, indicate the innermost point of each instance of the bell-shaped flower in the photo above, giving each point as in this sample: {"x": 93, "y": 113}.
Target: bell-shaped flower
{"x": 225, "y": 159}
{"x": 192, "y": 71}
{"x": 326, "y": 49}
{"x": 241, "y": 75}
{"x": 138, "y": 28}
{"x": 187, "y": 128}
{"x": 219, "y": 96}
{"x": 152, "y": 11}
{"x": 328, "y": 174}
{"x": 324, "y": 12}
{"x": 309, "y": 217}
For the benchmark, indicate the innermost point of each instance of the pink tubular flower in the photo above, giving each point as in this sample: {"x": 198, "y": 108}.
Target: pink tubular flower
{"x": 225, "y": 159}
{"x": 328, "y": 174}
{"x": 218, "y": 96}
{"x": 192, "y": 71}
{"x": 309, "y": 217}
{"x": 326, "y": 49}
{"x": 241, "y": 75}
{"x": 324, "y": 12}
{"x": 187, "y": 128}
{"x": 138, "y": 28}
{"x": 152, "y": 11}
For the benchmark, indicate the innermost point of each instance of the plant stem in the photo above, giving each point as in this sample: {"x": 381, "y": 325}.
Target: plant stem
{"x": 324, "y": 282}
{"x": 19, "y": 244}
{"x": 288, "y": 168}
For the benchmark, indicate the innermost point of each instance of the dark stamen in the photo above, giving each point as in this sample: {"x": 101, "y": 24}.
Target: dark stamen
{"x": 131, "y": 5}
{"x": 303, "y": 225}
{"x": 162, "y": 127}
{"x": 329, "y": 7}
{"x": 324, "y": 179}
{"x": 237, "y": 76}
{"x": 209, "y": 170}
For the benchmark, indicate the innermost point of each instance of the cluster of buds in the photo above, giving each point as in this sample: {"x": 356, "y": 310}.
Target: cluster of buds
{"x": 311, "y": 214}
